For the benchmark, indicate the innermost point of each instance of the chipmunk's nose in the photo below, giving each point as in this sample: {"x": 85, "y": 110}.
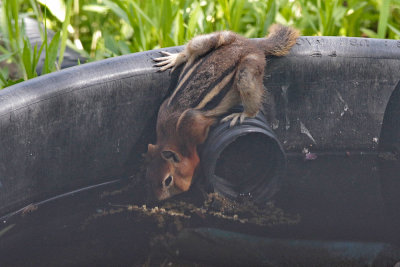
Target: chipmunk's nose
{"x": 168, "y": 181}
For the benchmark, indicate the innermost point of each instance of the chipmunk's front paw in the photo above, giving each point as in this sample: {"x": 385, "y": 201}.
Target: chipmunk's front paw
{"x": 234, "y": 117}
{"x": 169, "y": 61}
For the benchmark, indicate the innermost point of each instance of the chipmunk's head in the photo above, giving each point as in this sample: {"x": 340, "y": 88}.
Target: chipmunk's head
{"x": 173, "y": 160}
{"x": 169, "y": 172}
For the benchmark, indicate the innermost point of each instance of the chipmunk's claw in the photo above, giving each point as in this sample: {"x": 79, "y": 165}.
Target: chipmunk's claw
{"x": 170, "y": 60}
{"x": 234, "y": 117}
{"x": 165, "y": 53}
{"x": 167, "y": 61}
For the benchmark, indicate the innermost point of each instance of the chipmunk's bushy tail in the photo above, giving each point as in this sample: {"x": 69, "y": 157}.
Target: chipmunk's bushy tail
{"x": 279, "y": 41}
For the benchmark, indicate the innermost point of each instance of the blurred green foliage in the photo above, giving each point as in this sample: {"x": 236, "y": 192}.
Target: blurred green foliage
{"x": 104, "y": 28}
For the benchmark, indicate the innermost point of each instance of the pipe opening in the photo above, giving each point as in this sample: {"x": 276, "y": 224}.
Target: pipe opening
{"x": 247, "y": 162}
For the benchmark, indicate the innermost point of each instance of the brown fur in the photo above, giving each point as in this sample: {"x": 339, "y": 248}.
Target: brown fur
{"x": 221, "y": 70}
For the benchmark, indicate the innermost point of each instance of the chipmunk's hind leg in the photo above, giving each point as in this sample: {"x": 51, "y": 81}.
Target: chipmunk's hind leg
{"x": 202, "y": 44}
{"x": 249, "y": 83}
{"x": 198, "y": 46}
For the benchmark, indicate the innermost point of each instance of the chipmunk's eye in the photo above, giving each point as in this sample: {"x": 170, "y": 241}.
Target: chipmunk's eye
{"x": 171, "y": 156}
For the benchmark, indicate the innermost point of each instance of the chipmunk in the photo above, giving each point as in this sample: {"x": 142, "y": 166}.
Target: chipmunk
{"x": 221, "y": 70}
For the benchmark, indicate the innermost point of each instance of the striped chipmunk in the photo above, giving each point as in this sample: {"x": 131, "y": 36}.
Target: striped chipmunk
{"x": 221, "y": 70}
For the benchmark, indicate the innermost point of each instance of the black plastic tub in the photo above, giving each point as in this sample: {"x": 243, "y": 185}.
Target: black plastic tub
{"x": 82, "y": 130}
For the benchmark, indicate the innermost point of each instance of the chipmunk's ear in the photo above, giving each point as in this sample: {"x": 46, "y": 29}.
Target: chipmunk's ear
{"x": 193, "y": 127}
{"x": 151, "y": 148}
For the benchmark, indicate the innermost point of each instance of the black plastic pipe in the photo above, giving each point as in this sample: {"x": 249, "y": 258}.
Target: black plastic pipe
{"x": 246, "y": 160}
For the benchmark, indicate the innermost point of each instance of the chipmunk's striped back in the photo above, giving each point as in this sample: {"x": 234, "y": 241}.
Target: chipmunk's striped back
{"x": 206, "y": 81}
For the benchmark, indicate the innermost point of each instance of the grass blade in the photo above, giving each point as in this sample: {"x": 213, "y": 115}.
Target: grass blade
{"x": 51, "y": 54}
{"x": 140, "y": 12}
{"x": 394, "y": 29}
{"x": 4, "y": 57}
{"x": 178, "y": 29}
{"x": 15, "y": 15}
{"x": 36, "y": 58}
{"x": 117, "y": 10}
{"x": 3, "y": 77}
{"x": 193, "y": 20}
{"x": 383, "y": 18}
{"x": 237, "y": 12}
{"x": 369, "y": 33}
{"x": 64, "y": 32}
{"x": 27, "y": 59}
{"x": 34, "y": 6}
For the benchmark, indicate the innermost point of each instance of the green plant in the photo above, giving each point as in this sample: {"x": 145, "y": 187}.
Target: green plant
{"x": 16, "y": 48}
{"x": 104, "y": 28}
